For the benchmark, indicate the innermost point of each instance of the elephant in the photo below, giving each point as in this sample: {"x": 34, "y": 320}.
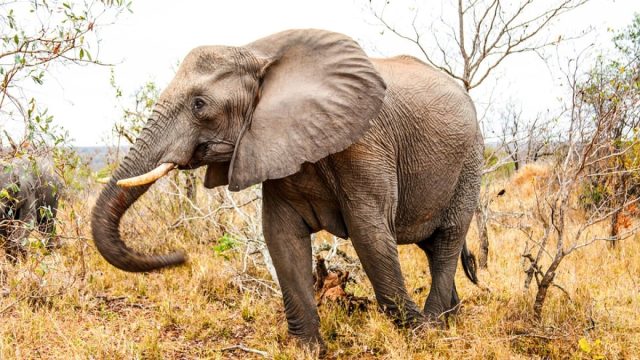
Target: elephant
{"x": 383, "y": 151}
{"x": 29, "y": 195}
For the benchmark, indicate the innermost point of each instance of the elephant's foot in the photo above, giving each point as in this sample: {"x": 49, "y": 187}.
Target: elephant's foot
{"x": 311, "y": 343}
{"x": 438, "y": 309}
{"x": 404, "y": 316}
{"x": 435, "y": 320}
{"x": 437, "y": 317}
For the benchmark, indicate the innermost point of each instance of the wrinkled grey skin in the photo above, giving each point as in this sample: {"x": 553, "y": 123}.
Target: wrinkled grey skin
{"x": 30, "y": 202}
{"x": 383, "y": 151}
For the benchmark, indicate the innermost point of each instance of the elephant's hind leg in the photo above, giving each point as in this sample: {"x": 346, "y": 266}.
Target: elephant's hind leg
{"x": 444, "y": 246}
{"x": 442, "y": 249}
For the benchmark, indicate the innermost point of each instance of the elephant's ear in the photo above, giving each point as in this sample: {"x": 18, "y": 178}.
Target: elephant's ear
{"x": 216, "y": 175}
{"x": 319, "y": 93}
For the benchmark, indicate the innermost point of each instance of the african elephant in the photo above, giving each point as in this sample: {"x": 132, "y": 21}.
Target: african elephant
{"x": 382, "y": 151}
{"x": 29, "y": 194}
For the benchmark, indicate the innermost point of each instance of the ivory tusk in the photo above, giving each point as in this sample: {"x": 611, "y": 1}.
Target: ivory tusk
{"x": 147, "y": 178}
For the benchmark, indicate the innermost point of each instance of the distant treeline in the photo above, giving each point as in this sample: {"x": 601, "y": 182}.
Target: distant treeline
{"x": 97, "y": 156}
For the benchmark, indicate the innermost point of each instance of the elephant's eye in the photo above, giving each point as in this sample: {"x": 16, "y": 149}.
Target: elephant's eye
{"x": 198, "y": 104}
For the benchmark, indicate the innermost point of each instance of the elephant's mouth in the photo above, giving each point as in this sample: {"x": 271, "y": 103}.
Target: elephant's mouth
{"x": 214, "y": 151}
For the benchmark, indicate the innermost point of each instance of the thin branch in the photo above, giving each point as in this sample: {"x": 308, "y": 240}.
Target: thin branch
{"x": 245, "y": 349}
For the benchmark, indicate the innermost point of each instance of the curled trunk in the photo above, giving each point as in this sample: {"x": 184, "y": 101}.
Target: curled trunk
{"x": 111, "y": 205}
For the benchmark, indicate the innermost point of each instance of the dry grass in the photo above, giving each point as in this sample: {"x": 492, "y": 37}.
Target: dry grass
{"x": 72, "y": 304}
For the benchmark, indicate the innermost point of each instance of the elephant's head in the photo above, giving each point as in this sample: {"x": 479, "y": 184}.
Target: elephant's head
{"x": 249, "y": 114}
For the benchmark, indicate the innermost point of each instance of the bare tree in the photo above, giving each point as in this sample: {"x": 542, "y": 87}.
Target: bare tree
{"x": 525, "y": 139}
{"x": 612, "y": 91}
{"x": 486, "y": 33}
{"x": 585, "y": 142}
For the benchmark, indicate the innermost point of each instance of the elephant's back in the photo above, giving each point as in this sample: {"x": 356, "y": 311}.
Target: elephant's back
{"x": 431, "y": 122}
{"x": 422, "y": 100}
{"x": 430, "y": 94}
{"x": 35, "y": 174}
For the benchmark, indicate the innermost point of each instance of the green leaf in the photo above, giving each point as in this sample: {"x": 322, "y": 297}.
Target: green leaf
{"x": 81, "y": 53}
{"x": 225, "y": 243}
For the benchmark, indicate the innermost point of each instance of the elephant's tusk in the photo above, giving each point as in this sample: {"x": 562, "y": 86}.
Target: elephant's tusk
{"x": 147, "y": 178}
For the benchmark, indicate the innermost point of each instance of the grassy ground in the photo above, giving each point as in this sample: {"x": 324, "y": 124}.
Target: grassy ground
{"x": 72, "y": 304}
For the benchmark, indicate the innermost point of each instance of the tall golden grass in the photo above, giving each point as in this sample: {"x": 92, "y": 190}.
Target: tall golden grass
{"x": 72, "y": 304}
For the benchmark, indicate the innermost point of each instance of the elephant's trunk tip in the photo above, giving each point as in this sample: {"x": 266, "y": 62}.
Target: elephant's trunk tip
{"x": 175, "y": 258}
{"x": 139, "y": 263}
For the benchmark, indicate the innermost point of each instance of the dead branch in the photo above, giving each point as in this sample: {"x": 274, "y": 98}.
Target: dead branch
{"x": 487, "y": 33}
{"x": 245, "y": 349}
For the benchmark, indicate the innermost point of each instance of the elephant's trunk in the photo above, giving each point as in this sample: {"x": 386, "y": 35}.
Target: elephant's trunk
{"x": 114, "y": 201}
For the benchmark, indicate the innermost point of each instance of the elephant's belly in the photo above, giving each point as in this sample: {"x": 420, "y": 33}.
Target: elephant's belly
{"x": 313, "y": 201}
{"x": 423, "y": 199}
{"x": 411, "y": 234}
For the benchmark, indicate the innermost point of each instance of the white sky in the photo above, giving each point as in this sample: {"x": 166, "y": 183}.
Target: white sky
{"x": 147, "y": 45}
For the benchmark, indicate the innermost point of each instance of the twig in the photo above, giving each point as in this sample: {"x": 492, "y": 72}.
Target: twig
{"x": 244, "y": 348}
{"x": 538, "y": 336}
{"x": 563, "y": 290}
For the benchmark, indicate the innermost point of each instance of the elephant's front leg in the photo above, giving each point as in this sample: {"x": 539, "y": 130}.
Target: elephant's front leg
{"x": 289, "y": 243}
{"x": 17, "y": 232}
{"x": 369, "y": 196}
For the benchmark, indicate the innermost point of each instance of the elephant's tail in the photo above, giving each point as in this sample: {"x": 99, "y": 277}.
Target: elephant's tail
{"x": 469, "y": 264}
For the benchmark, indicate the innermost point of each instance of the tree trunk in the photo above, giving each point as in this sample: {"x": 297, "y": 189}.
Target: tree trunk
{"x": 614, "y": 227}
{"x": 618, "y": 201}
{"x": 483, "y": 235}
{"x": 545, "y": 283}
{"x": 190, "y": 185}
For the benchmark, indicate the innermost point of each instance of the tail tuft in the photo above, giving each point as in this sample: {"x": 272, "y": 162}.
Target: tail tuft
{"x": 469, "y": 264}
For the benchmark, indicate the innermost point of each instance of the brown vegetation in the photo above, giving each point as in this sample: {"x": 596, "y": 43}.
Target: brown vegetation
{"x": 223, "y": 304}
